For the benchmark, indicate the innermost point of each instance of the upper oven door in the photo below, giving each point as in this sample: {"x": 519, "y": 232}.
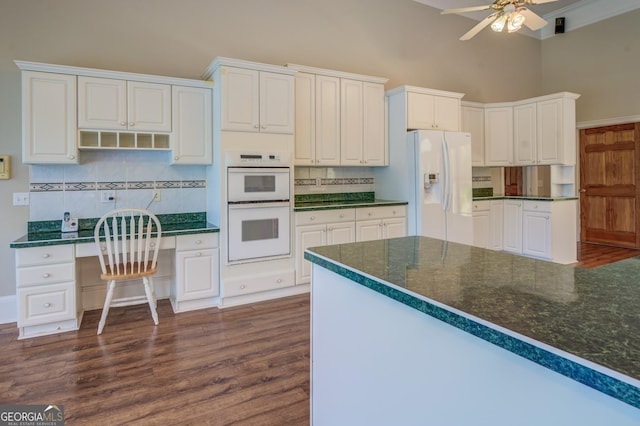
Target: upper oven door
{"x": 247, "y": 184}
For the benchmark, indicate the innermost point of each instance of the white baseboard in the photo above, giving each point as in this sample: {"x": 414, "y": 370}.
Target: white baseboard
{"x": 8, "y": 309}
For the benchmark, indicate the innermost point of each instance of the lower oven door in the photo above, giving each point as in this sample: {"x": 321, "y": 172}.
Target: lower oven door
{"x": 258, "y": 230}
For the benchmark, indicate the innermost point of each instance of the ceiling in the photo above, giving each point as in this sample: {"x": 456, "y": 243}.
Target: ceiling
{"x": 578, "y": 13}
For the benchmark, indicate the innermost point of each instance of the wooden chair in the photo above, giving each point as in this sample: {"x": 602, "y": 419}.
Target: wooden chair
{"x": 128, "y": 240}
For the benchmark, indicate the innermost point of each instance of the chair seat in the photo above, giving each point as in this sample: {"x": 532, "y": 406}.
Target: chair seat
{"x": 131, "y": 272}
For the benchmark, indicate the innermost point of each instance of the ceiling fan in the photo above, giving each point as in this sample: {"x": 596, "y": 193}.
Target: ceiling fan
{"x": 507, "y": 13}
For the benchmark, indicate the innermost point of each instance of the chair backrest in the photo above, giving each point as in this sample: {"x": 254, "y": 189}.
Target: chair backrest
{"x": 131, "y": 240}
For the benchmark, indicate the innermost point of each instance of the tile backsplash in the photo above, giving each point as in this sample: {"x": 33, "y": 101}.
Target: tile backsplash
{"x": 313, "y": 180}
{"x": 133, "y": 175}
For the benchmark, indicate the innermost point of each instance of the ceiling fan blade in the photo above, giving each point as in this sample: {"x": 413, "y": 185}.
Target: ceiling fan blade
{"x": 531, "y": 20}
{"x": 475, "y": 30}
{"x": 465, "y": 9}
{"x": 534, "y": 2}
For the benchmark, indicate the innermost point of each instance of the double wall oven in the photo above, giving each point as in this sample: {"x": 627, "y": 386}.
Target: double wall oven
{"x": 258, "y": 205}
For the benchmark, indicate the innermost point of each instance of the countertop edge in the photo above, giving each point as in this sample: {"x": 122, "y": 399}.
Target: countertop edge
{"x": 583, "y": 371}
{"x": 81, "y": 240}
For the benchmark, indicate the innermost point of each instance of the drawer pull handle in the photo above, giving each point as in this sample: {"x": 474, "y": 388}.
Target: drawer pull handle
{"x": 47, "y": 305}
{"x": 369, "y": 214}
{"x": 242, "y": 287}
{"x": 279, "y": 280}
{"x": 312, "y": 218}
{"x": 198, "y": 242}
{"x": 198, "y": 254}
{"x": 45, "y": 275}
{"x": 44, "y": 256}
{"x": 341, "y": 216}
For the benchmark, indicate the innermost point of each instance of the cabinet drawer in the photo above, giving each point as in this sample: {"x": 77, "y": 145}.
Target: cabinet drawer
{"x": 44, "y": 255}
{"x": 325, "y": 216}
{"x": 89, "y": 249}
{"x": 44, "y": 304}
{"x": 256, "y": 283}
{"x": 479, "y": 206}
{"x": 366, "y": 213}
{"x": 196, "y": 241}
{"x": 45, "y": 274}
{"x": 537, "y": 206}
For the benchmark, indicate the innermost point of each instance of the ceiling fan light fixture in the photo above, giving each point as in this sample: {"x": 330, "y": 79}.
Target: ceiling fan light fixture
{"x": 500, "y": 22}
{"x": 516, "y": 19}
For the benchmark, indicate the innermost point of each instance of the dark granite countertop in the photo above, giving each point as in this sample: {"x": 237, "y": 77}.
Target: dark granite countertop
{"x": 47, "y": 233}
{"x": 313, "y": 202}
{"x": 582, "y": 323}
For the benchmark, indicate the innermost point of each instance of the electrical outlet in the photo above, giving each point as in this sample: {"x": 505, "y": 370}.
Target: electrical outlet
{"x": 156, "y": 195}
{"x": 107, "y": 196}
{"x": 20, "y": 198}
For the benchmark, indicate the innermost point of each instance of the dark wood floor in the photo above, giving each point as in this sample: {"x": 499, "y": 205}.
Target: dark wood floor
{"x": 594, "y": 255}
{"x": 247, "y": 365}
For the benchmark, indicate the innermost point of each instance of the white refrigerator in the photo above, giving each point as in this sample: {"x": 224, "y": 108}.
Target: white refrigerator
{"x": 440, "y": 185}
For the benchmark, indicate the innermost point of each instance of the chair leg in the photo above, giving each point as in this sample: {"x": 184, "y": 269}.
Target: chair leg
{"x": 107, "y": 304}
{"x": 148, "y": 289}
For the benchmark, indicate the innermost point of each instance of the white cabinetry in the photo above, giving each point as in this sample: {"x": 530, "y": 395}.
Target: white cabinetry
{"x": 256, "y": 101}
{"x": 45, "y": 287}
{"x": 319, "y": 228}
{"x": 498, "y": 138}
{"x": 481, "y": 223}
{"x": 374, "y": 223}
{"x": 496, "y": 217}
{"x": 432, "y": 111}
{"x": 473, "y": 122}
{"x": 192, "y": 125}
{"x": 536, "y": 225}
{"x": 549, "y": 230}
{"x": 512, "y": 237}
{"x": 557, "y": 129}
{"x": 48, "y": 118}
{"x": 524, "y": 134}
{"x": 340, "y": 118}
{"x": 112, "y": 104}
{"x": 197, "y": 272}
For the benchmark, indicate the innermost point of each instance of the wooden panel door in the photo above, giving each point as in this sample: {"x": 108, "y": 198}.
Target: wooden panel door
{"x": 609, "y": 198}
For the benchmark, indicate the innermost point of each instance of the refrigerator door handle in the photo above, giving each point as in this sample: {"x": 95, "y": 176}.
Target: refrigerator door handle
{"x": 446, "y": 190}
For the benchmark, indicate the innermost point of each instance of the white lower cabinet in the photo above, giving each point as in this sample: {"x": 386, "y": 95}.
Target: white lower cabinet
{"x": 197, "y": 272}
{"x": 341, "y": 226}
{"x": 512, "y": 237}
{"x": 319, "y": 228}
{"x": 46, "y": 290}
{"x": 536, "y": 238}
{"x": 496, "y": 217}
{"x": 481, "y": 223}
{"x": 375, "y": 223}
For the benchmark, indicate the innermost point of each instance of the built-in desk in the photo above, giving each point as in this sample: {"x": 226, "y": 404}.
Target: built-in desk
{"x": 58, "y": 277}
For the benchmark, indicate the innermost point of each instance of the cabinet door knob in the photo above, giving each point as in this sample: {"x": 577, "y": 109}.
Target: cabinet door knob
{"x": 255, "y": 126}
{"x": 123, "y": 123}
{"x": 176, "y": 157}
{"x": 312, "y": 218}
{"x": 279, "y": 280}
{"x": 242, "y": 286}
{"x": 198, "y": 254}
{"x": 47, "y": 305}
{"x": 45, "y": 275}
{"x": 369, "y": 214}
{"x": 131, "y": 124}
{"x": 263, "y": 127}
{"x": 198, "y": 241}
{"x": 341, "y": 216}
{"x": 45, "y": 255}
{"x": 72, "y": 157}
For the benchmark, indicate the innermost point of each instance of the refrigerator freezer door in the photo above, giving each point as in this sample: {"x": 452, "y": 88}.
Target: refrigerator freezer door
{"x": 459, "y": 213}
{"x": 430, "y": 216}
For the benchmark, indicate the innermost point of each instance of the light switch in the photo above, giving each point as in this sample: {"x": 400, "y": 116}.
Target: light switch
{"x": 5, "y": 167}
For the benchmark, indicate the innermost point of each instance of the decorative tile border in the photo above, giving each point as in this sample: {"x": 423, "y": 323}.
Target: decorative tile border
{"x": 101, "y": 186}
{"x": 334, "y": 181}
{"x": 604, "y": 383}
{"x": 481, "y": 179}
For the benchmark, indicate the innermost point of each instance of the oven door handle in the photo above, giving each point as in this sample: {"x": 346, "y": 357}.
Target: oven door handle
{"x": 240, "y": 205}
{"x": 262, "y": 170}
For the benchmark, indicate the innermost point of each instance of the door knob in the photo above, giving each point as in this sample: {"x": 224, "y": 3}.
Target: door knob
{"x": 583, "y": 190}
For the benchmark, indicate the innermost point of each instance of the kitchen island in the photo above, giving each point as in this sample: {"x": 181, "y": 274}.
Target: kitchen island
{"x": 420, "y": 331}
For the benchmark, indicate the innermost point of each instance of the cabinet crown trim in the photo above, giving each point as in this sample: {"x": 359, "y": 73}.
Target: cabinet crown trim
{"x": 425, "y": 91}
{"x": 240, "y": 63}
{"x": 339, "y": 74}
{"x": 115, "y": 75}
{"x": 564, "y": 95}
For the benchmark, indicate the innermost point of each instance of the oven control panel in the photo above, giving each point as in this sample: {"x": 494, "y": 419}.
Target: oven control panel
{"x": 257, "y": 159}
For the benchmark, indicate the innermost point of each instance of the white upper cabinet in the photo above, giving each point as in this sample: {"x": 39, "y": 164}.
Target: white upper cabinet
{"x": 192, "y": 141}
{"x": 473, "y": 123}
{"x": 432, "y": 112}
{"x": 524, "y": 136}
{"x": 498, "y": 137}
{"x": 257, "y": 101}
{"x": 49, "y": 118}
{"x": 111, "y": 104}
{"x": 340, "y": 119}
{"x": 557, "y": 129}
{"x": 327, "y": 121}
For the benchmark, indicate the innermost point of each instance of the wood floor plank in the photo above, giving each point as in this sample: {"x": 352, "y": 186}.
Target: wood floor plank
{"x": 247, "y": 365}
